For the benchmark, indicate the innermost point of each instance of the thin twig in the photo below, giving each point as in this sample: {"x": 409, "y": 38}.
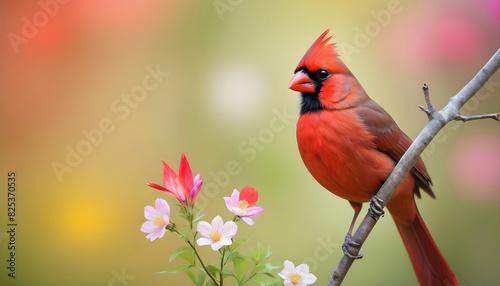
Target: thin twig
{"x": 436, "y": 122}
{"x": 424, "y": 110}
{"x": 495, "y": 116}
{"x": 431, "y": 107}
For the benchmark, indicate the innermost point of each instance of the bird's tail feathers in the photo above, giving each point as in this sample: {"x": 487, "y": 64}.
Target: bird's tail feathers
{"x": 428, "y": 263}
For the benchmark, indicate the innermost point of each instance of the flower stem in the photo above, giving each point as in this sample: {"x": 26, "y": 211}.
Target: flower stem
{"x": 189, "y": 212}
{"x": 202, "y": 264}
{"x": 198, "y": 256}
{"x": 222, "y": 265}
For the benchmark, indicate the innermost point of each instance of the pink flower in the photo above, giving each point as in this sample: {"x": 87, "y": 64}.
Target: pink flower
{"x": 182, "y": 186}
{"x": 241, "y": 204}
{"x": 216, "y": 234}
{"x": 158, "y": 219}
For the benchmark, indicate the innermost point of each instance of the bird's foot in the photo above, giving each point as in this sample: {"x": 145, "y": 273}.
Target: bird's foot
{"x": 349, "y": 242}
{"x": 376, "y": 209}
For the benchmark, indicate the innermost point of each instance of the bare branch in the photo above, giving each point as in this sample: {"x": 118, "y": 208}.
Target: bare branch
{"x": 424, "y": 110}
{"x": 431, "y": 107}
{"x": 495, "y": 116}
{"x": 436, "y": 122}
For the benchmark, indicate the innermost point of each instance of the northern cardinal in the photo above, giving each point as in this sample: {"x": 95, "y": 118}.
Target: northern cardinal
{"x": 350, "y": 145}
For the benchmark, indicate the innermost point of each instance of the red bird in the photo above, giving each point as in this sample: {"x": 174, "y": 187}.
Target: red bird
{"x": 350, "y": 145}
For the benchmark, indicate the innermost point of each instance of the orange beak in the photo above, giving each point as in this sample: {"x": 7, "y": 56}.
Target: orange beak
{"x": 302, "y": 83}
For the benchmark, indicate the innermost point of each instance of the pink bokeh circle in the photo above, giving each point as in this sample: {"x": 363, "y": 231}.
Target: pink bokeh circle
{"x": 475, "y": 167}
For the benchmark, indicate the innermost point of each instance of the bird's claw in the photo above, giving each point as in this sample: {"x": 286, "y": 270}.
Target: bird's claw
{"x": 349, "y": 242}
{"x": 376, "y": 209}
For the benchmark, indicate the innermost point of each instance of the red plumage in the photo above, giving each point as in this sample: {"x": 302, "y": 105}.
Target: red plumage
{"x": 350, "y": 145}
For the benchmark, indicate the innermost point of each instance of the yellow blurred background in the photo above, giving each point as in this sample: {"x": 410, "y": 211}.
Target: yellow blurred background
{"x": 94, "y": 94}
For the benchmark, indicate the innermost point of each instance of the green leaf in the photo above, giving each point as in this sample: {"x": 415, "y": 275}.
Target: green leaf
{"x": 267, "y": 254}
{"x": 198, "y": 216}
{"x": 180, "y": 251}
{"x": 191, "y": 275}
{"x": 240, "y": 265}
{"x": 188, "y": 256}
{"x": 258, "y": 254}
{"x": 231, "y": 256}
{"x": 274, "y": 265}
{"x": 178, "y": 268}
{"x": 185, "y": 212}
{"x": 210, "y": 283}
{"x": 236, "y": 244}
{"x": 213, "y": 270}
{"x": 227, "y": 273}
{"x": 264, "y": 280}
{"x": 268, "y": 274}
{"x": 267, "y": 267}
{"x": 200, "y": 279}
{"x": 184, "y": 215}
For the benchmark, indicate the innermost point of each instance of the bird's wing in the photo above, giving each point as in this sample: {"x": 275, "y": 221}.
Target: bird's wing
{"x": 392, "y": 141}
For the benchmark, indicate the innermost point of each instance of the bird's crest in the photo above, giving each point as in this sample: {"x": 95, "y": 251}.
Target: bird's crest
{"x": 321, "y": 54}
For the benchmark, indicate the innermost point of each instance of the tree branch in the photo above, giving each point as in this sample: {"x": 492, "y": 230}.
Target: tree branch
{"x": 495, "y": 116}
{"x": 437, "y": 120}
{"x": 431, "y": 107}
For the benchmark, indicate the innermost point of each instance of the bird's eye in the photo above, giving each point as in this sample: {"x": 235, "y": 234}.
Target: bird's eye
{"x": 323, "y": 74}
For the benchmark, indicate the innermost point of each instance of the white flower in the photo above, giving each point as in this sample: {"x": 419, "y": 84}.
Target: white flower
{"x": 216, "y": 234}
{"x": 158, "y": 219}
{"x": 297, "y": 276}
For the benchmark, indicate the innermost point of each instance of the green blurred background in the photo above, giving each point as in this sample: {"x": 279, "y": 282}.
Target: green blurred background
{"x": 68, "y": 69}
